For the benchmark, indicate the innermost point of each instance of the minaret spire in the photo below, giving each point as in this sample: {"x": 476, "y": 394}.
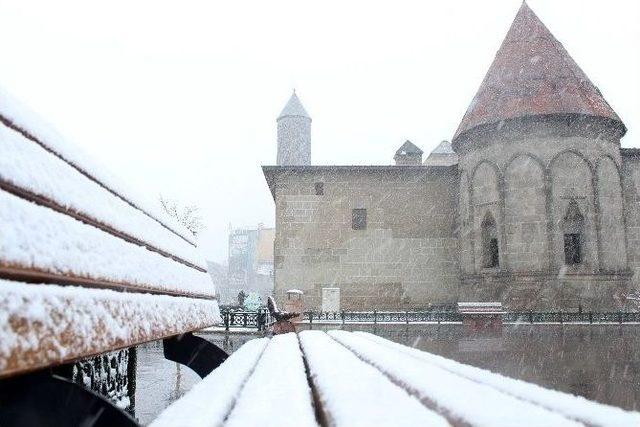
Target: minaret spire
{"x": 294, "y": 133}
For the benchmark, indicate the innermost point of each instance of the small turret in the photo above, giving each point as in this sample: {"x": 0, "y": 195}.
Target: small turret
{"x": 294, "y": 134}
{"x": 442, "y": 155}
{"x": 408, "y": 154}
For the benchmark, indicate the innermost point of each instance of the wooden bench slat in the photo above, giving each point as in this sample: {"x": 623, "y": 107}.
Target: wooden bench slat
{"x": 39, "y": 238}
{"x": 15, "y": 115}
{"x": 459, "y": 398}
{"x": 354, "y": 393}
{"x": 31, "y": 275}
{"x": 33, "y": 173}
{"x": 209, "y": 402}
{"x": 43, "y": 325}
{"x": 575, "y": 407}
{"x": 277, "y": 393}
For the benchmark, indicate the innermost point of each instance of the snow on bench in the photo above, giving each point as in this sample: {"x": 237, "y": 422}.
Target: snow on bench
{"x": 438, "y": 388}
{"x": 352, "y": 379}
{"x": 277, "y": 393}
{"x": 42, "y": 325}
{"x": 39, "y": 238}
{"x": 575, "y": 407}
{"x": 27, "y": 168}
{"x": 354, "y": 393}
{"x": 17, "y": 116}
{"x": 64, "y": 221}
{"x": 209, "y": 401}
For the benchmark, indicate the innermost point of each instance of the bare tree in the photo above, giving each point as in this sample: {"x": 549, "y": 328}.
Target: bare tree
{"x": 189, "y": 215}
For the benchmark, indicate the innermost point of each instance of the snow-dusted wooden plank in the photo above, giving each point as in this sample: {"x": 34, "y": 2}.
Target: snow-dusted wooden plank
{"x": 354, "y": 393}
{"x": 277, "y": 393}
{"x": 40, "y": 174}
{"x": 457, "y": 397}
{"x": 208, "y": 403}
{"x": 16, "y": 115}
{"x": 575, "y": 407}
{"x": 41, "y": 325}
{"x": 36, "y": 237}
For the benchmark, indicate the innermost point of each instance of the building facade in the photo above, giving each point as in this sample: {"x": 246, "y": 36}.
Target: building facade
{"x": 534, "y": 203}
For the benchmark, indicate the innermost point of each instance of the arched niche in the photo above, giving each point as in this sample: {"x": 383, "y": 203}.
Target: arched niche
{"x": 613, "y": 252}
{"x": 485, "y": 184}
{"x": 486, "y": 201}
{"x": 571, "y": 183}
{"x": 489, "y": 242}
{"x": 525, "y": 216}
{"x": 466, "y": 226}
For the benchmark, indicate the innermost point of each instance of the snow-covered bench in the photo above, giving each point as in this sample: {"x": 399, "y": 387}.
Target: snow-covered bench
{"x": 342, "y": 378}
{"x": 86, "y": 265}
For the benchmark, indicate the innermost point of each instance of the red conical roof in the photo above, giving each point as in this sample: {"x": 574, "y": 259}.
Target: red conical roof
{"x": 532, "y": 74}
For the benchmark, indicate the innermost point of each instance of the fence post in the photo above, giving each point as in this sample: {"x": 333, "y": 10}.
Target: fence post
{"x": 375, "y": 317}
{"x": 311, "y": 317}
{"x": 620, "y": 317}
{"x": 406, "y": 316}
{"x": 342, "y": 314}
{"x": 561, "y": 317}
{"x": 226, "y": 321}
{"x": 531, "y": 316}
{"x": 591, "y": 317}
{"x": 244, "y": 320}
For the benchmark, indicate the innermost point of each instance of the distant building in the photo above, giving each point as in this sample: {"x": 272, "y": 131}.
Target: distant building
{"x": 250, "y": 262}
{"x": 533, "y": 204}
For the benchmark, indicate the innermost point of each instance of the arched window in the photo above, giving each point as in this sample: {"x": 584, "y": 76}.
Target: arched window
{"x": 490, "y": 249}
{"x": 572, "y": 227}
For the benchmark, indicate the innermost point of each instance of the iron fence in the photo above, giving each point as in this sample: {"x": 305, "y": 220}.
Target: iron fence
{"x": 453, "y": 317}
{"x": 261, "y": 319}
{"x": 246, "y": 319}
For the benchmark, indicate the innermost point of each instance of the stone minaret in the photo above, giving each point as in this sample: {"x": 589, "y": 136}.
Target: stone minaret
{"x": 294, "y": 134}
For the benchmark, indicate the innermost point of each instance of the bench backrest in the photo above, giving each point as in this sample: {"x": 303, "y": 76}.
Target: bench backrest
{"x": 71, "y": 235}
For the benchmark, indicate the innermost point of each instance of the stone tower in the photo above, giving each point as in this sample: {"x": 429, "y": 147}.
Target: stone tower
{"x": 294, "y": 134}
{"x": 540, "y": 188}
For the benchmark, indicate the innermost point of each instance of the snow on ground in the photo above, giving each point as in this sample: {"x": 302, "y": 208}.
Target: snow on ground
{"x": 208, "y": 402}
{"x": 23, "y": 118}
{"x": 43, "y": 323}
{"x": 277, "y": 393}
{"x": 462, "y": 399}
{"x": 27, "y": 165}
{"x": 353, "y": 393}
{"x": 574, "y": 407}
{"x": 38, "y": 237}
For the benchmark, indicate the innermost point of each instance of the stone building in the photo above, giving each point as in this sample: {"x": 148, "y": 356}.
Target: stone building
{"x": 534, "y": 203}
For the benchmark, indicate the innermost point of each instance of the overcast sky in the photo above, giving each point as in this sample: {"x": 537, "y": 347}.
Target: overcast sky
{"x": 181, "y": 97}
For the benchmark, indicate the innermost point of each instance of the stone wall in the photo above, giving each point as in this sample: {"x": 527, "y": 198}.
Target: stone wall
{"x": 631, "y": 185}
{"x": 407, "y": 257}
{"x": 527, "y": 180}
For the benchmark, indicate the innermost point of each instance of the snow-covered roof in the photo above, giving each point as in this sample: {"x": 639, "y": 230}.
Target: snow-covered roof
{"x": 408, "y": 148}
{"x": 443, "y": 148}
{"x": 293, "y": 108}
{"x": 295, "y": 291}
{"x": 533, "y": 75}
{"x": 362, "y": 379}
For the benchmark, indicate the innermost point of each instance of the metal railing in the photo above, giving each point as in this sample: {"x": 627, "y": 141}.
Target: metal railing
{"x": 261, "y": 319}
{"x": 455, "y": 317}
{"x": 246, "y": 319}
{"x": 376, "y": 316}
